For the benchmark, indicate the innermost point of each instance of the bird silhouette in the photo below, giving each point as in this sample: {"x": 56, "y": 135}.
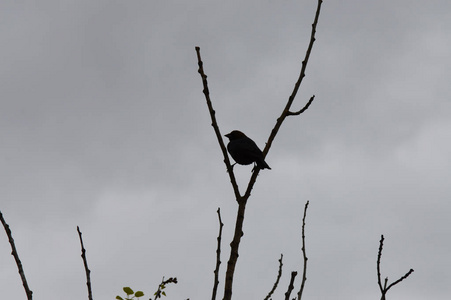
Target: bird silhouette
{"x": 244, "y": 150}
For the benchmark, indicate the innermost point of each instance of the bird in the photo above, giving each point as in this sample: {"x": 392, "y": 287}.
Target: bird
{"x": 244, "y": 150}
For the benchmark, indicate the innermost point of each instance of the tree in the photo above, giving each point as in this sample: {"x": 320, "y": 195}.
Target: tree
{"x": 241, "y": 199}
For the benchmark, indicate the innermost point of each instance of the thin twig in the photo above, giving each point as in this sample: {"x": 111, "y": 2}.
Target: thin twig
{"x": 385, "y": 288}
{"x": 379, "y": 255}
{"x": 400, "y": 279}
{"x": 286, "y": 110}
{"x": 162, "y": 286}
{"x": 304, "y": 254}
{"x": 85, "y": 263}
{"x": 291, "y": 285}
{"x": 296, "y": 113}
{"x": 238, "y": 233}
{"x": 218, "y": 256}
{"x": 16, "y": 258}
{"x": 277, "y": 279}
{"x": 214, "y": 123}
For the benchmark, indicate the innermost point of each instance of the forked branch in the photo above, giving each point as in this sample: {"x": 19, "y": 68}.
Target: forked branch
{"x": 384, "y": 289}
{"x": 286, "y": 111}
{"x": 242, "y": 199}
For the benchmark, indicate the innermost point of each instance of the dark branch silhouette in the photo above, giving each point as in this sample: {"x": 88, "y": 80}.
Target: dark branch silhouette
{"x": 242, "y": 199}
{"x": 304, "y": 254}
{"x": 16, "y": 258}
{"x": 286, "y": 112}
{"x": 218, "y": 256}
{"x": 303, "y": 109}
{"x": 85, "y": 263}
{"x": 384, "y": 289}
{"x": 291, "y": 285}
{"x": 162, "y": 286}
{"x": 214, "y": 123}
{"x": 277, "y": 279}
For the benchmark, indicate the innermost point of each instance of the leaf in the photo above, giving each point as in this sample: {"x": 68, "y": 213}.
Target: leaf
{"x": 163, "y": 293}
{"x": 128, "y": 290}
{"x": 119, "y": 298}
{"x": 139, "y": 294}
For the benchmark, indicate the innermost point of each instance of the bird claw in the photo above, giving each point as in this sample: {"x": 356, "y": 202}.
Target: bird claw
{"x": 255, "y": 168}
{"x": 232, "y": 167}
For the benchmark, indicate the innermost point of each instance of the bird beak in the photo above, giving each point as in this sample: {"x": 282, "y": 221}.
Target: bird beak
{"x": 227, "y": 135}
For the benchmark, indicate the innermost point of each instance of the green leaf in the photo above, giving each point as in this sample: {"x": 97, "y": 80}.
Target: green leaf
{"x": 128, "y": 290}
{"x": 139, "y": 294}
{"x": 163, "y": 293}
{"x": 119, "y": 298}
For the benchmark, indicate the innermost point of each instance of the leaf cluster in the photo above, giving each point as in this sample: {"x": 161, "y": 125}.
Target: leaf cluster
{"x": 130, "y": 294}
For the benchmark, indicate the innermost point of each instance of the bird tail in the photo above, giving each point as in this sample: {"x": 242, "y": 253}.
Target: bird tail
{"x": 262, "y": 164}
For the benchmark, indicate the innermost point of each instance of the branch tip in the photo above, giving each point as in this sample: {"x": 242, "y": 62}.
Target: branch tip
{"x": 15, "y": 254}
{"x": 384, "y": 289}
{"x": 85, "y": 264}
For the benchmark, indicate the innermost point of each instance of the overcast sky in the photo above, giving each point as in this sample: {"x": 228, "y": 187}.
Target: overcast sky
{"x": 103, "y": 125}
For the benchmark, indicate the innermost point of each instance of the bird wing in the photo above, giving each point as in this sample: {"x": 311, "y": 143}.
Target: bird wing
{"x": 250, "y": 146}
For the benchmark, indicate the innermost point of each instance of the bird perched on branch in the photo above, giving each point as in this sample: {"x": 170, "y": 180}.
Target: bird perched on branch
{"x": 244, "y": 150}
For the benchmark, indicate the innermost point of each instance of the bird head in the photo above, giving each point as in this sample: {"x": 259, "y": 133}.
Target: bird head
{"x": 235, "y": 135}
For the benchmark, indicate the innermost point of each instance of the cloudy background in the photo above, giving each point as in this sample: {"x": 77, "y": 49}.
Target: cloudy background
{"x": 103, "y": 124}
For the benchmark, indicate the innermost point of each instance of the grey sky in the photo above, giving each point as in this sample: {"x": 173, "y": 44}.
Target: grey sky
{"x": 103, "y": 124}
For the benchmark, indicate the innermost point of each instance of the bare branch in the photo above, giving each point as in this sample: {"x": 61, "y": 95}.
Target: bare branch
{"x": 85, "y": 263}
{"x": 242, "y": 200}
{"x": 303, "y": 109}
{"x": 379, "y": 254}
{"x": 234, "y": 246}
{"x": 218, "y": 256}
{"x": 162, "y": 286}
{"x": 400, "y": 279}
{"x": 214, "y": 123}
{"x": 286, "y": 110}
{"x": 304, "y": 254}
{"x": 277, "y": 279}
{"x": 291, "y": 285}
{"x": 385, "y": 288}
{"x": 16, "y": 258}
